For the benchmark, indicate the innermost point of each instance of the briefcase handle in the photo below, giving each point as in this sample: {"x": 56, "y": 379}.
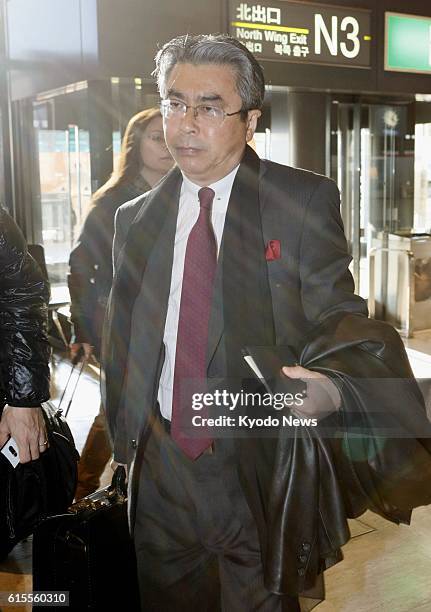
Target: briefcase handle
{"x": 118, "y": 484}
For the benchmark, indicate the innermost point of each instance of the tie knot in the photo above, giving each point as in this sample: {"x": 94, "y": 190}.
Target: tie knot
{"x": 206, "y": 197}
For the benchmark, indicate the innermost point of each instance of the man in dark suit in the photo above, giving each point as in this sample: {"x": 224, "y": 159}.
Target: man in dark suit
{"x": 227, "y": 251}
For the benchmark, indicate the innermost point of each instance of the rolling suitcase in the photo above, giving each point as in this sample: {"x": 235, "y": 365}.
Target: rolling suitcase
{"x": 88, "y": 552}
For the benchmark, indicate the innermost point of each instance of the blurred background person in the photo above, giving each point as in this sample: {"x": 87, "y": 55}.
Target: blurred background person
{"x": 24, "y": 348}
{"x": 144, "y": 160}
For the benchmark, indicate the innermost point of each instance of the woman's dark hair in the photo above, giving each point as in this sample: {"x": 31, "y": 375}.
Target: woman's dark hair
{"x": 130, "y": 161}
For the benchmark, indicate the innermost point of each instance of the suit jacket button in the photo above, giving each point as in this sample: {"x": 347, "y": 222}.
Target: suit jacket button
{"x": 301, "y": 571}
{"x": 134, "y": 444}
{"x": 305, "y": 546}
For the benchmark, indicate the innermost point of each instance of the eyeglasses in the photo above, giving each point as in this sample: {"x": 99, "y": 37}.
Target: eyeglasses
{"x": 204, "y": 113}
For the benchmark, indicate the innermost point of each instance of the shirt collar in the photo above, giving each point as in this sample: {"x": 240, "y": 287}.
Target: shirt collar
{"x": 222, "y": 189}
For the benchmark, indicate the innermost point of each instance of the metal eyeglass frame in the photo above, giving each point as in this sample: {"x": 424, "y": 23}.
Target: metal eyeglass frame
{"x": 164, "y": 106}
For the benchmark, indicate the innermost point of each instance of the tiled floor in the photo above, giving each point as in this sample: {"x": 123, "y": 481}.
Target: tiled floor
{"x": 387, "y": 568}
{"x": 421, "y": 342}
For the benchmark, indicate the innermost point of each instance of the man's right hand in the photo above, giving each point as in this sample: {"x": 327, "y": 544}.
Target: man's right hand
{"x": 75, "y": 348}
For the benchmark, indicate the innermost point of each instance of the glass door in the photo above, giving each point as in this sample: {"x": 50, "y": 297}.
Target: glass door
{"x": 346, "y": 172}
{"x": 65, "y": 187}
{"x": 372, "y": 161}
{"x": 422, "y": 214}
{"x": 345, "y": 169}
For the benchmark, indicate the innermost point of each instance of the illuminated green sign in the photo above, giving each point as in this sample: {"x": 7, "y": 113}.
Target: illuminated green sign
{"x": 407, "y": 43}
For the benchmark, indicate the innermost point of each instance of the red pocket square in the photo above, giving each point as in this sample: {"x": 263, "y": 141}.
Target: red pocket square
{"x": 273, "y": 250}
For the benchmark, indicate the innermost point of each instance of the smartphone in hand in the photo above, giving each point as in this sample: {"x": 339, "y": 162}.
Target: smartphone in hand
{"x": 10, "y": 451}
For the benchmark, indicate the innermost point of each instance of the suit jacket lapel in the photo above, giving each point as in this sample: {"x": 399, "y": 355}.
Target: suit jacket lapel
{"x": 157, "y": 207}
{"x": 165, "y": 195}
{"x": 156, "y": 234}
{"x": 216, "y": 326}
{"x": 156, "y": 279}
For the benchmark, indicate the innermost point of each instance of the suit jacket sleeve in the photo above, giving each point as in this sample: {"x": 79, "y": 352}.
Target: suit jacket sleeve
{"x": 327, "y": 287}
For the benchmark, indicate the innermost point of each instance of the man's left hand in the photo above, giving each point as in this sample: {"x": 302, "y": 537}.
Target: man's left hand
{"x": 323, "y": 396}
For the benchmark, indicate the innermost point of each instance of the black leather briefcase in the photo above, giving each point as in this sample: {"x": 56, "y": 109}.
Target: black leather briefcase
{"x": 89, "y": 553}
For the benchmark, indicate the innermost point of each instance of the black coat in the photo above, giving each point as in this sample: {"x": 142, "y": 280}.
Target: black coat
{"x": 90, "y": 262}
{"x": 24, "y": 297}
{"x": 316, "y": 480}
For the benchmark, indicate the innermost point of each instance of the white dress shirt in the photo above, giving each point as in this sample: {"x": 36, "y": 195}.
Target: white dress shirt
{"x": 188, "y": 213}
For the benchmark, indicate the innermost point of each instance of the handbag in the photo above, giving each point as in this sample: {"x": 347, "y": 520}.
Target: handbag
{"x": 34, "y": 490}
{"x": 89, "y": 553}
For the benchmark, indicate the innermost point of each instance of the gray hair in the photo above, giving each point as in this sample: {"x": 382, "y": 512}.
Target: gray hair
{"x": 219, "y": 49}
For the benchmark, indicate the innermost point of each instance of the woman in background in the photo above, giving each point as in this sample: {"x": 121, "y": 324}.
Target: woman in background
{"x": 144, "y": 160}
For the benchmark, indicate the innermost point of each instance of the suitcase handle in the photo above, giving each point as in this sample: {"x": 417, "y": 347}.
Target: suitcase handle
{"x": 84, "y": 361}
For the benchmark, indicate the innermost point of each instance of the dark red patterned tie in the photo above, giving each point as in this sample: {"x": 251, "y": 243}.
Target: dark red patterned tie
{"x": 192, "y": 340}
